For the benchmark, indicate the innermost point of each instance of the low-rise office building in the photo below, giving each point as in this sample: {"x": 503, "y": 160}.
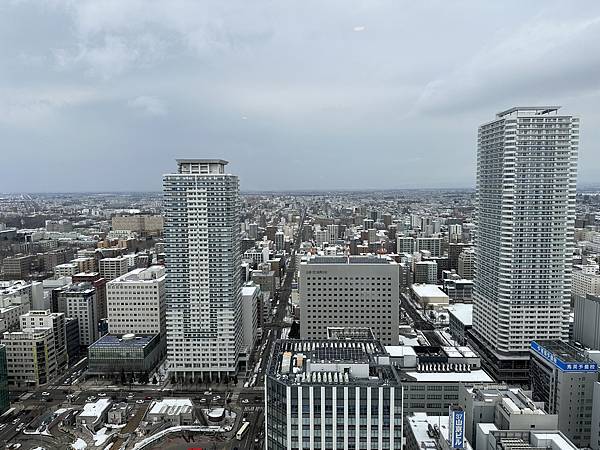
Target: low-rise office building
{"x": 128, "y": 353}
{"x": 30, "y": 357}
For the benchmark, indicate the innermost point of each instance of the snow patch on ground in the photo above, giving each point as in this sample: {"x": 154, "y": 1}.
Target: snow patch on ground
{"x": 79, "y": 444}
{"x": 101, "y": 437}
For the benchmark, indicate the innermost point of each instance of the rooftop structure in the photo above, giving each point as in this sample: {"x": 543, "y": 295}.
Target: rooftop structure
{"x": 353, "y": 333}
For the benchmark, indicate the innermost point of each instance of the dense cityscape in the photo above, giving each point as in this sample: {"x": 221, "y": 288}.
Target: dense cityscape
{"x": 208, "y": 318}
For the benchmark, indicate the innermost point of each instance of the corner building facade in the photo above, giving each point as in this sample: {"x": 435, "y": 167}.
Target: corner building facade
{"x": 526, "y": 179}
{"x": 332, "y": 394}
{"x": 203, "y": 289}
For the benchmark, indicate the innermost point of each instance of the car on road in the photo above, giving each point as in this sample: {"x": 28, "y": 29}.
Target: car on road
{"x": 130, "y": 396}
{"x": 217, "y": 397}
{"x": 91, "y": 398}
{"x": 45, "y": 394}
{"x": 147, "y": 397}
{"x": 139, "y": 402}
{"x": 102, "y": 394}
{"x": 245, "y": 401}
{"x": 202, "y": 400}
{"x": 207, "y": 392}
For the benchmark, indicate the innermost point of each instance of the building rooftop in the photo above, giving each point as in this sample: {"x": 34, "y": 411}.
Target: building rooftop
{"x": 172, "y": 406}
{"x": 127, "y": 340}
{"x": 143, "y": 275}
{"x": 463, "y": 312}
{"x": 474, "y": 376}
{"x": 428, "y": 290}
{"x": 429, "y": 430}
{"x": 344, "y": 333}
{"x": 536, "y": 110}
{"x": 372, "y": 259}
{"x": 564, "y": 356}
{"x": 202, "y": 161}
{"x": 331, "y": 362}
{"x": 95, "y": 409}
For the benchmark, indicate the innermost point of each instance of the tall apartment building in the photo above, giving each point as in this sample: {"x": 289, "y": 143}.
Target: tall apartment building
{"x": 526, "y": 177}
{"x": 355, "y": 291}
{"x": 279, "y": 240}
{"x": 332, "y": 394}
{"x": 202, "y": 246}
{"x": 136, "y": 302}
{"x": 79, "y": 301}
{"x": 55, "y": 321}
{"x": 466, "y": 264}
{"x": 30, "y": 357}
{"x": 111, "y": 268}
{"x": 333, "y": 233}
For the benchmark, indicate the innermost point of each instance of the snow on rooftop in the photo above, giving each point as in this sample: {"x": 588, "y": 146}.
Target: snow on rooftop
{"x": 463, "y": 312}
{"x": 428, "y": 290}
{"x": 399, "y": 351}
{"x": 171, "y": 406}
{"x": 475, "y": 376}
{"x": 95, "y": 409}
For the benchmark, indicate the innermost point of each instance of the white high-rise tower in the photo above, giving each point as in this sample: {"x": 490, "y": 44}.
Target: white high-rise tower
{"x": 526, "y": 180}
{"x": 202, "y": 247}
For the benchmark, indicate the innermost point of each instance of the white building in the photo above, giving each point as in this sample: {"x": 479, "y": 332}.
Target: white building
{"x": 202, "y": 246}
{"x": 355, "y": 291}
{"x": 466, "y": 263}
{"x": 111, "y": 268}
{"x": 586, "y": 281}
{"x": 526, "y": 177}
{"x": 251, "y": 301}
{"x": 30, "y": 357}
{"x": 55, "y": 321}
{"x": 136, "y": 302}
{"x": 66, "y": 270}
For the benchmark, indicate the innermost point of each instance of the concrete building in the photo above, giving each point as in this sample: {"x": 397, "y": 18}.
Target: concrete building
{"x": 429, "y": 296}
{"x": 586, "y": 327}
{"x": 202, "y": 246}
{"x": 99, "y": 284}
{"x": 94, "y": 415}
{"x": 466, "y": 264}
{"x": 526, "y": 178}
{"x": 431, "y": 244}
{"x": 355, "y": 291}
{"x": 595, "y": 430}
{"x": 79, "y": 301}
{"x": 405, "y": 244}
{"x": 30, "y": 357}
{"x": 332, "y": 394}
{"x": 136, "y": 302}
{"x": 506, "y": 408}
{"x": 563, "y": 377}
{"x": 426, "y": 272}
{"x": 460, "y": 321}
{"x": 251, "y": 302}
{"x": 142, "y": 223}
{"x": 111, "y": 268}
{"x": 586, "y": 282}
{"x": 433, "y": 432}
{"x": 55, "y": 321}
{"x": 173, "y": 411}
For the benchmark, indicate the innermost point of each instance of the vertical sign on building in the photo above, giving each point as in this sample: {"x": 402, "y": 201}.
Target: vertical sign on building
{"x": 456, "y": 427}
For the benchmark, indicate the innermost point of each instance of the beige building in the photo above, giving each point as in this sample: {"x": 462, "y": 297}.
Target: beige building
{"x": 355, "y": 291}
{"x": 111, "y": 268}
{"x": 30, "y": 357}
{"x": 143, "y": 224}
{"x": 55, "y": 321}
{"x": 136, "y": 302}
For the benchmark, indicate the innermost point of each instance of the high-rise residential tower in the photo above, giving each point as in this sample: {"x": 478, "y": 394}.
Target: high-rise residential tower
{"x": 526, "y": 179}
{"x": 203, "y": 286}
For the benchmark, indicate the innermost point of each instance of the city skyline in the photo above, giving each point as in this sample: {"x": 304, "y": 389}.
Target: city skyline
{"x": 371, "y": 92}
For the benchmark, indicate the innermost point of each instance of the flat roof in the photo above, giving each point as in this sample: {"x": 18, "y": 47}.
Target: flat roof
{"x": 95, "y": 409}
{"x": 475, "y": 376}
{"x": 110, "y": 340}
{"x": 463, "y": 312}
{"x": 349, "y": 260}
{"x": 399, "y": 351}
{"x": 172, "y": 406}
{"x": 201, "y": 161}
{"x": 428, "y": 290}
{"x": 537, "y": 109}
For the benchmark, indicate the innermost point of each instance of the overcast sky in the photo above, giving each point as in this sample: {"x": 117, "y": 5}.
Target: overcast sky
{"x": 103, "y": 96}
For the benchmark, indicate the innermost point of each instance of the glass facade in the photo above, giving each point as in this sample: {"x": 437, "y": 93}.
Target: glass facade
{"x": 4, "y": 398}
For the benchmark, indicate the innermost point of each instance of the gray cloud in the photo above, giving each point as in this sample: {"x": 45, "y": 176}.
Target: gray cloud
{"x": 371, "y": 93}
